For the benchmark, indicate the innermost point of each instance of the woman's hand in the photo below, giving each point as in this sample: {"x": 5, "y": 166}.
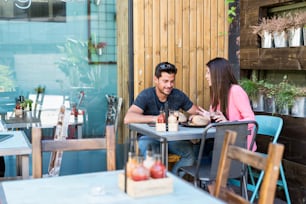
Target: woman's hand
{"x": 203, "y": 112}
{"x": 218, "y": 117}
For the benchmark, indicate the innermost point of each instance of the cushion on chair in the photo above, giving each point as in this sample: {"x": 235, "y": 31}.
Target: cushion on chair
{"x": 173, "y": 158}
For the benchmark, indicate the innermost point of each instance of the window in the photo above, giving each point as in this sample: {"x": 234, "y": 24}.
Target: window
{"x": 33, "y": 10}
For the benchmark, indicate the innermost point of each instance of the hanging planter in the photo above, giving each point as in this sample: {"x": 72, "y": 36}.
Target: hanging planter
{"x": 99, "y": 51}
{"x": 295, "y": 37}
{"x": 266, "y": 40}
{"x": 279, "y": 25}
{"x": 296, "y": 30}
{"x": 280, "y": 39}
{"x": 98, "y": 48}
{"x": 263, "y": 29}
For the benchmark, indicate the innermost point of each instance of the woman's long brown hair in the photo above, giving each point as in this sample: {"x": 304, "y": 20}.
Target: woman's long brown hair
{"x": 222, "y": 78}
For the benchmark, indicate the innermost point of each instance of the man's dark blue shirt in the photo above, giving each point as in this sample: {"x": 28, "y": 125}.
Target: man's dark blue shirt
{"x": 148, "y": 101}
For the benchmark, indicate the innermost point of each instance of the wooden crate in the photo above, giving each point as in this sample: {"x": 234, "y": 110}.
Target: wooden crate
{"x": 149, "y": 187}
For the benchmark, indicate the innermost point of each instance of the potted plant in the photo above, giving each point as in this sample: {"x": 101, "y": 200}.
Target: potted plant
{"x": 264, "y": 30}
{"x": 269, "y": 90}
{"x": 279, "y": 25}
{"x": 297, "y": 22}
{"x": 255, "y": 92}
{"x": 99, "y": 48}
{"x": 299, "y": 105}
{"x": 272, "y": 28}
{"x": 302, "y": 17}
{"x": 285, "y": 96}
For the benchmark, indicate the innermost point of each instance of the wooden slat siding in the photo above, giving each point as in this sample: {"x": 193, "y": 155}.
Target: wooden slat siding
{"x": 200, "y": 53}
{"x": 193, "y": 51}
{"x": 207, "y": 48}
{"x": 148, "y": 75}
{"x": 221, "y": 31}
{"x": 214, "y": 29}
{"x": 123, "y": 63}
{"x": 163, "y": 30}
{"x": 186, "y": 50}
{"x": 139, "y": 62}
{"x": 226, "y": 30}
{"x": 171, "y": 31}
{"x": 179, "y": 42}
{"x": 156, "y": 35}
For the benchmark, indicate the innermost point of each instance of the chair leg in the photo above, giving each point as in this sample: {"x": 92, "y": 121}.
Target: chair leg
{"x": 243, "y": 186}
{"x": 251, "y": 175}
{"x": 260, "y": 178}
{"x": 244, "y": 182}
{"x": 283, "y": 183}
{"x": 282, "y": 174}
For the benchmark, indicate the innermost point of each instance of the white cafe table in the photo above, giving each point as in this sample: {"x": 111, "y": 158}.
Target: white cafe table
{"x": 48, "y": 119}
{"x": 18, "y": 145}
{"x": 101, "y": 187}
{"x": 183, "y": 133}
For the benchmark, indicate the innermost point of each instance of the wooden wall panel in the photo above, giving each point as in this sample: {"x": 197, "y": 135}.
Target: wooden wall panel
{"x": 186, "y": 47}
{"x": 148, "y": 43}
{"x": 171, "y": 31}
{"x": 156, "y": 37}
{"x": 178, "y": 50}
{"x": 193, "y": 52}
{"x": 200, "y": 65}
{"x": 139, "y": 49}
{"x": 187, "y": 33}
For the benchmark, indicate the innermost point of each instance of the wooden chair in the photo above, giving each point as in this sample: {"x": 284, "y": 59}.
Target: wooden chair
{"x": 270, "y": 165}
{"x": 39, "y": 146}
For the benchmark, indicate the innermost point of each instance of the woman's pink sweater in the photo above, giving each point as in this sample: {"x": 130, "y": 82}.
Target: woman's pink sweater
{"x": 239, "y": 108}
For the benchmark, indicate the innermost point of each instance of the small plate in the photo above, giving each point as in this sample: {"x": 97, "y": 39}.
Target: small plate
{"x": 186, "y": 124}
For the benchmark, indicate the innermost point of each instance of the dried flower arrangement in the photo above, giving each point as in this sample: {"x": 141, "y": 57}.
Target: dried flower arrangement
{"x": 298, "y": 19}
{"x": 279, "y": 24}
{"x": 276, "y": 23}
{"x": 264, "y": 25}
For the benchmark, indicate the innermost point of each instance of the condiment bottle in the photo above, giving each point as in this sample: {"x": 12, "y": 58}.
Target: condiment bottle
{"x": 140, "y": 173}
{"x": 158, "y": 170}
{"x": 172, "y": 122}
{"x": 149, "y": 160}
{"x": 161, "y": 117}
{"x": 131, "y": 164}
{"x": 161, "y": 122}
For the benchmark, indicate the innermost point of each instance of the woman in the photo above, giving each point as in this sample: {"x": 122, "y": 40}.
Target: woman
{"x": 229, "y": 102}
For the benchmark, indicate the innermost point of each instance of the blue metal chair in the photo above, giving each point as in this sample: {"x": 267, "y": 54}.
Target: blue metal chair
{"x": 269, "y": 126}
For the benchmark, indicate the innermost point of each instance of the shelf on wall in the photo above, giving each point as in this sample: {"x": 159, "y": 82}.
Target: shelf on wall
{"x": 273, "y": 58}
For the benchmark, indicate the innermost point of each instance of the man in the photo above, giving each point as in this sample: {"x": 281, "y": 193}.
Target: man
{"x": 148, "y": 104}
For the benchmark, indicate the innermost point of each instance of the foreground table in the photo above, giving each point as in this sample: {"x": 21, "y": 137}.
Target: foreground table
{"x": 184, "y": 133}
{"x": 19, "y": 146}
{"x": 99, "y": 187}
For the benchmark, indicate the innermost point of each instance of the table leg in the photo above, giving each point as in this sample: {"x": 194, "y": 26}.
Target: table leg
{"x": 133, "y": 141}
{"x": 22, "y": 162}
{"x": 164, "y": 151}
{"x": 80, "y": 131}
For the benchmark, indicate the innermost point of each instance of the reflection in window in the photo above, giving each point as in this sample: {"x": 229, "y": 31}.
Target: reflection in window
{"x": 33, "y": 10}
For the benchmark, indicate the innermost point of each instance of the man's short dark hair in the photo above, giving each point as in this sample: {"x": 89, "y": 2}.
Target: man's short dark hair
{"x": 165, "y": 67}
